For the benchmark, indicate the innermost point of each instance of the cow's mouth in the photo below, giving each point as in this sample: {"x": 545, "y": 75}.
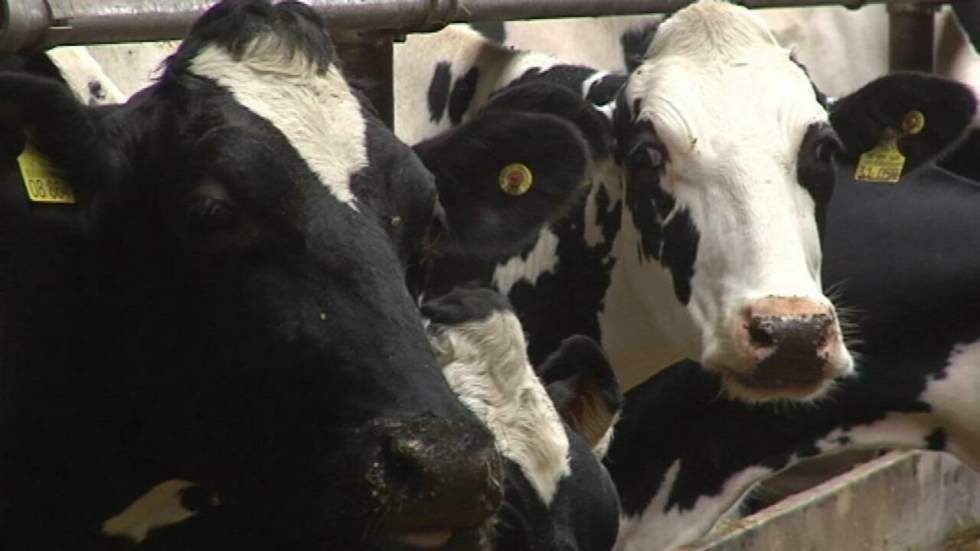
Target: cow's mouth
{"x": 756, "y": 387}
{"x": 426, "y": 539}
{"x": 441, "y": 538}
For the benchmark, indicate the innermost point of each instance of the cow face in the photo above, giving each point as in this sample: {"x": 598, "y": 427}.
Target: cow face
{"x": 728, "y": 158}
{"x": 558, "y": 495}
{"x": 715, "y": 133}
{"x": 238, "y": 304}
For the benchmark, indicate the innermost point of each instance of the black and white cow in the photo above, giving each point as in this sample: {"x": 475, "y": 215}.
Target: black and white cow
{"x": 905, "y": 259}
{"x": 557, "y": 494}
{"x": 206, "y": 339}
{"x": 699, "y": 236}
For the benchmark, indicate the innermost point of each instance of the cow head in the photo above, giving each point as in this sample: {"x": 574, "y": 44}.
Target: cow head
{"x": 728, "y": 155}
{"x": 222, "y": 311}
{"x": 558, "y": 495}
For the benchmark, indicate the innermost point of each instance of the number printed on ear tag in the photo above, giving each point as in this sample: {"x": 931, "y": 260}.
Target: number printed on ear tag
{"x": 41, "y": 181}
{"x": 883, "y": 163}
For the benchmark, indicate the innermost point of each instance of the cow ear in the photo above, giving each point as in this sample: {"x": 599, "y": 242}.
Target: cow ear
{"x": 929, "y": 115}
{"x": 584, "y": 389}
{"x": 548, "y": 98}
{"x": 54, "y": 138}
{"x": 501, "y": 177}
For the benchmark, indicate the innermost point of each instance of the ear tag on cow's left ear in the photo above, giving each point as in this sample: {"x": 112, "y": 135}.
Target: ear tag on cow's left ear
{"x": 41, "y": 181}
{"x": 515, "y": 179}
{"x": 884, "y": 163}
{"x": 914, "y": 122}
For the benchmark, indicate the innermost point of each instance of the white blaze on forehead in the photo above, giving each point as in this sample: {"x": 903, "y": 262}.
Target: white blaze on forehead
{"x": 318, "y": 113}
{"x": 715, "y": 77}
{"x": 709, "y": 29}
{"x": 156, "y": 508}
{"x": 486, "y": 365}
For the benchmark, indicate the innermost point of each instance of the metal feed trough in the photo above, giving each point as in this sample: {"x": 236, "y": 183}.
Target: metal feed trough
{"x": 900, "y": 501}
{"x": 364, "y": 29}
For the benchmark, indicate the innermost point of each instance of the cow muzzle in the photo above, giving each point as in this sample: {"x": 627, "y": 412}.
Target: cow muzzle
{"x": 435, "y": 481}
{"x": 784, "y": 347}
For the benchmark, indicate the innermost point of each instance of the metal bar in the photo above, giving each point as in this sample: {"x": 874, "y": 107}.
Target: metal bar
{"x": 910, "y": 37}
{"x": 26, "y": 24}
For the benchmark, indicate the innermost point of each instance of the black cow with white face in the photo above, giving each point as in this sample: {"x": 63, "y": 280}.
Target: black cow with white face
{"x": 551, "y": 431}
{"x": 207, "y": 340}
{"x": 700, "y": 234}
{"x": 903, "y": 258}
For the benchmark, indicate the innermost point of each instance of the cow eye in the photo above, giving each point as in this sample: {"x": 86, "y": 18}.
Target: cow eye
{"x": 647, "y": 156}
{"x": 827, "y": 146}
{"x": 210, "y": 214}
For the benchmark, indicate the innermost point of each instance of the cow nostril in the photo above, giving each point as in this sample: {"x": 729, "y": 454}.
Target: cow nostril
{"x": 797, "y": 335}
{"x": 760, "y": 333}
{"x": 404, "y": 459}
{"x": 824, "y": 330}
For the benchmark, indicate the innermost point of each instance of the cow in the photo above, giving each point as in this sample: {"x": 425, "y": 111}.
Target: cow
{"x": 904, "y": 259}
{"x": 557, "y": 494}
{"x": 206, "y": 330}
{"x": 699, "y": 236}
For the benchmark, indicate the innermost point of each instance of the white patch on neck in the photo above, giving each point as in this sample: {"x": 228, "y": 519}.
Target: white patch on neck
{"x": 656, "y": 529}
{"x": 541, "y": 260}
{"x": 955, "y": 400}
{"x": 485, "y": 363}
{"x": 317, "y": 113}
{"x": 156, "y": 508}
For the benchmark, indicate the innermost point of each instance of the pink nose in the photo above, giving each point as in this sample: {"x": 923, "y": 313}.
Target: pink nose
{"x": 788, "y": 340}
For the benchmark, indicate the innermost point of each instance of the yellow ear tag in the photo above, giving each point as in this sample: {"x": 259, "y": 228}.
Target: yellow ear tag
{"x": 914, "y": 122}
{"x": 884, "y": 162}
{"x": 515, "y": 179}
{"x": 42, "y": 183}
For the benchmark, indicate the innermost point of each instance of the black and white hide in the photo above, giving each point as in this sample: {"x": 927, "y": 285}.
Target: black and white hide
{"x": 551, "y": 431}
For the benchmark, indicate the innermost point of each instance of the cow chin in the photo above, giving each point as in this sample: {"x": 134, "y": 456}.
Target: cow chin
{"x": 752, "y": 389}
{"x": 466, "y": 539}
{"x": 776, "y": 378}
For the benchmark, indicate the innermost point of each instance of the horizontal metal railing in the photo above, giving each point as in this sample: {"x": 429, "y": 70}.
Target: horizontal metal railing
{"x": 28, "y": 24}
